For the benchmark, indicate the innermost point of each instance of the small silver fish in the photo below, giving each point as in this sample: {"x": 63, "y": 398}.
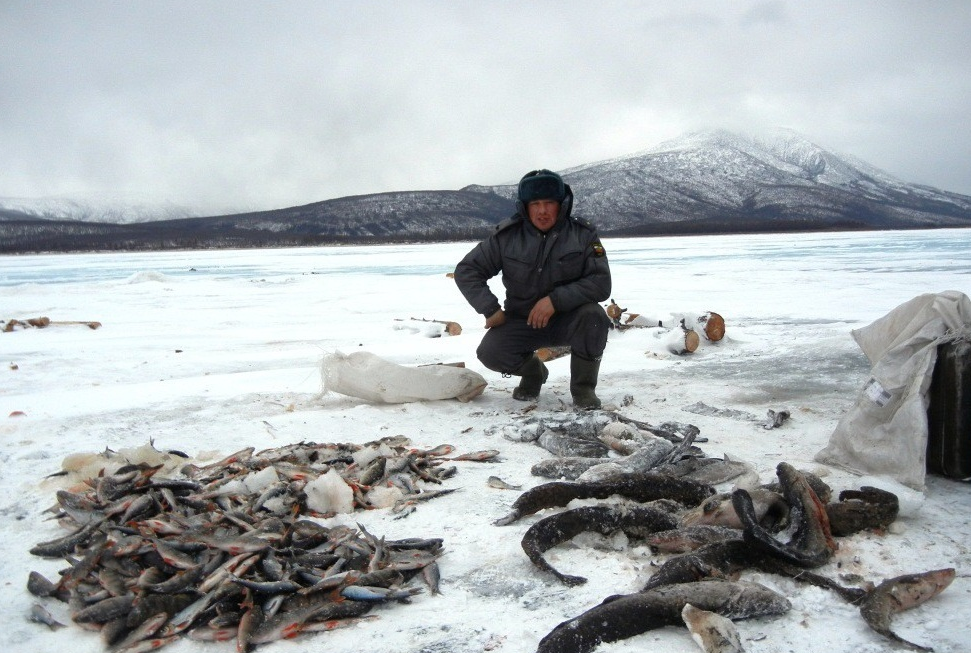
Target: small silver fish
{"x": 39, "y": 614}
{"x": 432, "y": 576}
{"x": 39, "y": 585}
{"x": 146, "y": 630}
{"x": 152, "y": 644}
{"x": 378, "y": 594}
{"x": 440, "y": 450}
{"x": 499, "y": 484}
{"x": 105, "y": 610}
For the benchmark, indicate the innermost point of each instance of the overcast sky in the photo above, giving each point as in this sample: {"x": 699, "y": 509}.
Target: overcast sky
{"x": 246, "y": 104}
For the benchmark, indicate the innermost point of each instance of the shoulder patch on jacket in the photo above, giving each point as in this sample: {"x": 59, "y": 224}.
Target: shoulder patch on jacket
{"x": 598, "y": 248}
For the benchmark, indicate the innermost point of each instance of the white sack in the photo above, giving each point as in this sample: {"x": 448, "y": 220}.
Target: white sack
{"x": 885, "y": 432}
{"x": 369, "y": 377}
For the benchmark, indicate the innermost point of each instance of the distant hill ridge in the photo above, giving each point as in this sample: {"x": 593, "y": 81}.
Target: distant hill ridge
{"x": 704, "y": 182}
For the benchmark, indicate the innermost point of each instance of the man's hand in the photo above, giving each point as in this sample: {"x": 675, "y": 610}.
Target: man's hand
{"x": 496, "y": 319}
{"x": 540, "y": 316}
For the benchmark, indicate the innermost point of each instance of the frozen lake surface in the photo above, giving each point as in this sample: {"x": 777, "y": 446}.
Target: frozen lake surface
{"x": 207, "y": 352}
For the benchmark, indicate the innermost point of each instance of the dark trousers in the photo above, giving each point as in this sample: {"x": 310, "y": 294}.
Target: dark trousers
{"x": 505, "y": 348}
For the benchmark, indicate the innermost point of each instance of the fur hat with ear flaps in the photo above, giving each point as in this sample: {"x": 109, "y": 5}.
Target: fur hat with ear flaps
{"x": 541, "y": 185}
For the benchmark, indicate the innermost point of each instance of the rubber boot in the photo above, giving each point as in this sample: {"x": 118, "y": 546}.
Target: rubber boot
{"x": 583, "y": 382}
{"x": 534, "y": 375}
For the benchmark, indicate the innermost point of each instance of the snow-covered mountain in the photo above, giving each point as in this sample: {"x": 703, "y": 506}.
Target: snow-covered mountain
{"x": 705, "y": 182}
{"x": 717, "y": 179}
{"x": 118, "y": 209}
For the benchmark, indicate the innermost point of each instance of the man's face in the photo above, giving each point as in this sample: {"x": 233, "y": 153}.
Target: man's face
{"x": 542, "y": 213}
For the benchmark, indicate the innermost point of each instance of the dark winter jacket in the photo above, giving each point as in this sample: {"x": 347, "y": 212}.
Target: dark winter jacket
{"x": 568, "y": 263}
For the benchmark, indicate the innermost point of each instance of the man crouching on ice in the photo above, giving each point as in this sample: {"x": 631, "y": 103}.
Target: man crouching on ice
{"x": 554, "y": 271}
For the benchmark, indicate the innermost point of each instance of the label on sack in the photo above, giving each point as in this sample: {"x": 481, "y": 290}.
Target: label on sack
{"x": 876, "y": 393}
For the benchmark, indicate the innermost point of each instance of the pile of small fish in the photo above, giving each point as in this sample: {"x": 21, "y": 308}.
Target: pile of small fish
{"x": 228, "y": 550}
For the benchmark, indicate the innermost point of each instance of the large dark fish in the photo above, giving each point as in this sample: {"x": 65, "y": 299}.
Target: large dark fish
{"x": 572, "y": 444}
{"x": 625, "y": 616}
{"x": 715, "y": 471}
{"x": 638, "y": 487}
{"x": 902, "y": 593}
{"x": 811, "y": 545}
{"x": 711, "y": 631}
{"x": 819, "y": 486}
{"x": 604, "y": 519}
{"x": 715, "y": 560}
{"x": 862, "y": 509}
{"x": 726, "y": 558}
{"x": 689, "y": 538}
{"x": 565, "y": 467}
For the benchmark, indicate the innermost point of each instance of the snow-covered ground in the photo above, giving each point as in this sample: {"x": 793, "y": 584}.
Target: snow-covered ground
{"x": 210, "y": 352}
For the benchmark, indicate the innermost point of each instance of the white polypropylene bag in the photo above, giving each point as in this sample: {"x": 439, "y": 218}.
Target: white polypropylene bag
{"x": 370, "y": 377}
{"x": 885, "y": 432}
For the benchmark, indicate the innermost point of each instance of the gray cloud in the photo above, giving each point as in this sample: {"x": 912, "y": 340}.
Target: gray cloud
{"x": 245, "y": 104}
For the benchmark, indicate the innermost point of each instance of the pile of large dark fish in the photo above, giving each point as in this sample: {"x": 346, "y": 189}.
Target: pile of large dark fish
{"x": 206, "y": 555}
{"x": 667, "y": 498}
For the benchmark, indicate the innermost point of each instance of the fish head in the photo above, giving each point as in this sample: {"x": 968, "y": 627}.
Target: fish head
{"x": 914, "y": 589}
{"x": 715, "y": 510}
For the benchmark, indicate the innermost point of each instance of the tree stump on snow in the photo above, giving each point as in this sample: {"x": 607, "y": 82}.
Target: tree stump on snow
{"x": 714, "y": 325}
{"x": 682, "y": 341}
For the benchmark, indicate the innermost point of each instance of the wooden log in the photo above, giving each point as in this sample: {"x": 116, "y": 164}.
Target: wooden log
{"x": 714, "y": 326}
{"x": 682, "y": 340}
{"x": 614, "y": 311}
{"x": 552, "y": 353}
{"x": 709, "y": 324}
